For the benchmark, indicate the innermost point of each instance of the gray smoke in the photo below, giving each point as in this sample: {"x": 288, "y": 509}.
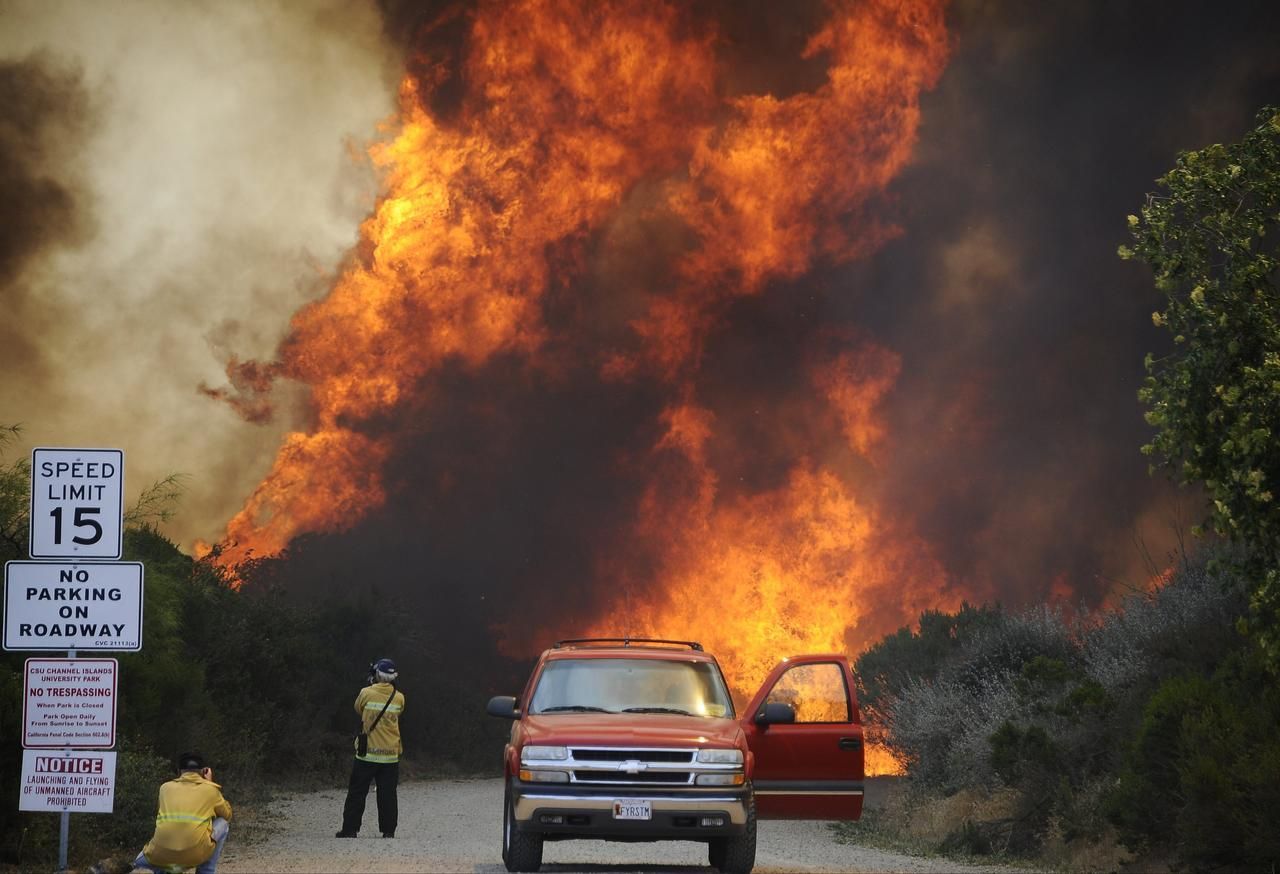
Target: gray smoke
{"x": 177, "y": 180}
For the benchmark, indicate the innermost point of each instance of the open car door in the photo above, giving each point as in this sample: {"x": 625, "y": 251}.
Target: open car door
{"x": 812, "y": 767}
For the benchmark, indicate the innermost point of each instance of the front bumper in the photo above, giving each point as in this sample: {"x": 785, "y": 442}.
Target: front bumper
{"x": 583, "y": 812}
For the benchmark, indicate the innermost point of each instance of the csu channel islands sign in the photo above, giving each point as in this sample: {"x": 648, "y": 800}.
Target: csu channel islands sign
{"x": 69, "y": 703}
{"x": 77, "y": 503}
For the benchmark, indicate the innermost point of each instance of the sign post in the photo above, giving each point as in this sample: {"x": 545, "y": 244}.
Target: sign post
{"x": 77, "y": 594}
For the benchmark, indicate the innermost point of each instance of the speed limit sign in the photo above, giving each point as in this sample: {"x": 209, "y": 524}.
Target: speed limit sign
{"x": 77, "y": 504}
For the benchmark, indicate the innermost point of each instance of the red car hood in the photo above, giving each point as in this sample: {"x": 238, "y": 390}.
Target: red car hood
{"x": 630, "y": 730}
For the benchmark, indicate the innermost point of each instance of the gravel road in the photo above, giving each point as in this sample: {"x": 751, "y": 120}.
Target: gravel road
{"x": 455, "y": 825}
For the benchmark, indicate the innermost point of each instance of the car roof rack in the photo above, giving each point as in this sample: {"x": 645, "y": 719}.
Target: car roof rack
{"x": 628, "y": 641}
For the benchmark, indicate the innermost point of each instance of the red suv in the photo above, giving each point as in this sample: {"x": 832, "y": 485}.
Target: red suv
{"x": 637, "y": 740}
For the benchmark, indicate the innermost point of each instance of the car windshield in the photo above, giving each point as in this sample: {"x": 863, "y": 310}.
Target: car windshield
{"x": 623, "y": 685}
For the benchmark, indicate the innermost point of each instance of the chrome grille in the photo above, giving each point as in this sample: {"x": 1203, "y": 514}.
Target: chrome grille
{"x": 586, "y": 776}
{"x": 602, "y": 755}
{"x": 633, "y": 766}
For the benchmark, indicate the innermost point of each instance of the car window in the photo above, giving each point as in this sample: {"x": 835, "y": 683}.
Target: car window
{"x": 633, "y": 685}
{"x": 817, "y": 693}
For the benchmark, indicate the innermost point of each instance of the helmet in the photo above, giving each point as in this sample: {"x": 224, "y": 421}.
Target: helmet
{"x": 384, "y": 670}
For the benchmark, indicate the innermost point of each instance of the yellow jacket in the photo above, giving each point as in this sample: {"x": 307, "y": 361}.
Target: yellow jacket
{"x": 384, "y": 742}
{"x": 184, "y": 821}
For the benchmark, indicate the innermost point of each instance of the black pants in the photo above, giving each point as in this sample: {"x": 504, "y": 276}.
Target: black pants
{"x": 387, "y": 775}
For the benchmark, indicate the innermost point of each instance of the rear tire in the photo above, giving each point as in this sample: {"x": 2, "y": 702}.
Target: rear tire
{"x": 736, "y": 854}
{"x": 521, "y": 851}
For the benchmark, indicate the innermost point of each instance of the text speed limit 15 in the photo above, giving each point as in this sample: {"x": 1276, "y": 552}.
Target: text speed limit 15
{"x": 77, "y": 503}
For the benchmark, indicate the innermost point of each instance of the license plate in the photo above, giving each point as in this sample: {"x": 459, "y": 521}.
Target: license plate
{"x": 632, "y": 810}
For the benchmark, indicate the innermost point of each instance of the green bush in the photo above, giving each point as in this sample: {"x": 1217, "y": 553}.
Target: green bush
{"x": 1045, "y": 708}
{"x": 1019, "y": 756}
{"x": 970, "y": 839}
{"x": 1203, "y": 774}
{"x": 907, "y": 656}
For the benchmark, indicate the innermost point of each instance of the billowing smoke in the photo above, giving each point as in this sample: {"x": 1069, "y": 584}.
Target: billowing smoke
{"x": 42, "y": 125}
{"x": 176, "y": 180}
{"x": 1022, "y": 335}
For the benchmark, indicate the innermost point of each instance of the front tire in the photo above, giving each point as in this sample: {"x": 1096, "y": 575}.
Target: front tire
{"x": 521, "y": 851}
{"x": 737, "y": 854}
{"x": 715, "y": 853}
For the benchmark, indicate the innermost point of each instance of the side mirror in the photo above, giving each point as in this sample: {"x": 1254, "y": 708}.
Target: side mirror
{"x": 504, "y": 706}
{"x": 775, "y": 713}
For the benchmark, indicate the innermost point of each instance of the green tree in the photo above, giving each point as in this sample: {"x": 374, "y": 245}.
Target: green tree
{"x": 1203, "y": 772}
{"x": 15, "y": 483}
{"x": 1210, "y": 237}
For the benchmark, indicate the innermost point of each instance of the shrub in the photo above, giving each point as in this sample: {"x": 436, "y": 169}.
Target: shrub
{"x": 968, "y": 840}
{"x": 1046, "y": 707}
{"x": 1017, "y": 755}
{"x": 1203, "y": 773}
{"x": 905, "y": 657}
{"x": 943, "y": 727}
{"x": 1184, "y": 625}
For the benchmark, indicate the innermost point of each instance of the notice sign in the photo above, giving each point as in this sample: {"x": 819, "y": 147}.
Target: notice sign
{"x": 77, "y": 503}
{"x": 72, "y": 780}
{"x": 58, "y": 605}
{"x": 70, "y": 703}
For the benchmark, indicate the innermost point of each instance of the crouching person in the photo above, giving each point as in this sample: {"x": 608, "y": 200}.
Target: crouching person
{"x": 191, "y": 821}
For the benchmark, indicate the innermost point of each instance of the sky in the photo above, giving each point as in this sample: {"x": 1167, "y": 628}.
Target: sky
{"x": 178, "y": 182}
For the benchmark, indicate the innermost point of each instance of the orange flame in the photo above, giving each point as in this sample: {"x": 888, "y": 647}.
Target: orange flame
{"x": 879, "y": 760}
{"x": 573, "y": 109}
{"x": 806, "y": 567}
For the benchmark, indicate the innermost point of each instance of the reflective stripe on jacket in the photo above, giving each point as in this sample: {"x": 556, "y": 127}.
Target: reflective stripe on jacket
{"x": 384, "y": 741}
{"x": 184, "y": 821}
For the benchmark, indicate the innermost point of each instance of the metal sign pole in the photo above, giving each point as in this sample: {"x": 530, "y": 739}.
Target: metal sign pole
{"x": 64, "y": 820}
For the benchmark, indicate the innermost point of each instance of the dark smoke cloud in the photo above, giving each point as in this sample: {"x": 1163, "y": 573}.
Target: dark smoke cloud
{"x": 432, "y": 38}
{"x": 1022, "y": 333}
{"x": 43, "y": 120}
{"x": 1014, "y": 426}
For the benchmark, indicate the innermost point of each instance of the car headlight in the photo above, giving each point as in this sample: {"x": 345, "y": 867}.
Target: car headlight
{"x": 540, "y": 753}
{"x": 735, "y": 779}
{"x": 720, "y": 757}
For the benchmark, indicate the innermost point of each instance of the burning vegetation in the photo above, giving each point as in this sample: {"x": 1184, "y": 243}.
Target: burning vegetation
{"x": 577, "y": 202}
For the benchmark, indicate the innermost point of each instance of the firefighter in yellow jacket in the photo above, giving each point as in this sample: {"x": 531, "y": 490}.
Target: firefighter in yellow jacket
{"x": 379, "y": 705}
{"x": 191, "y": 821}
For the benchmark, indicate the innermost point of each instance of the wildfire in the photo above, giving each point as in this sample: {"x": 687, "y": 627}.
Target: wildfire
{"x": 805, "y": 567}
{"x": 576, "y": 118}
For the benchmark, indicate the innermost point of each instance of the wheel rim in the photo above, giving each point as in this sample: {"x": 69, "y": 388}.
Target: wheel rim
{"x": 506, "y": 826}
